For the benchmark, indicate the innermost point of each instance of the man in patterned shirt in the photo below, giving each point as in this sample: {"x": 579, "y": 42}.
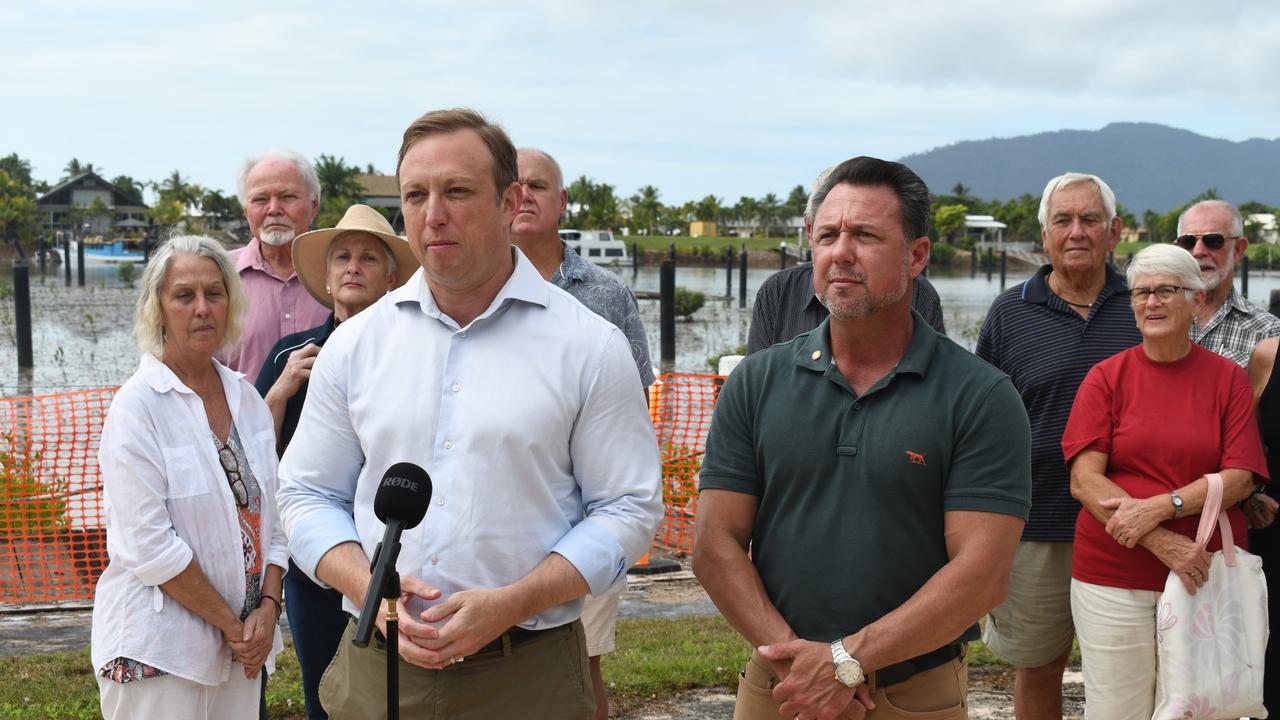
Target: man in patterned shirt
{"x": 535, "y": 231}
{"x": 1228, "y": 324}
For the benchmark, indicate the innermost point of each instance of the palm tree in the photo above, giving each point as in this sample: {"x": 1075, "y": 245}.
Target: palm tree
{"x": 645, "y": 208}
{"x": 75, "y": 167}
{"x": 176, "y": 188}
{"x": 338, "y": 180}
{"x": 768, "y": 210}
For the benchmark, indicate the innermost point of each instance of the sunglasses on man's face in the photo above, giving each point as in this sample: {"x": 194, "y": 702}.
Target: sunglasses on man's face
{"x": 1212, "y": 241}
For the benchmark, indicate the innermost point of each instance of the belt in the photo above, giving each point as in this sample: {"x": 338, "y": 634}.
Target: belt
{"x": 903, "y": 671}
{"x": 513, "y": 637}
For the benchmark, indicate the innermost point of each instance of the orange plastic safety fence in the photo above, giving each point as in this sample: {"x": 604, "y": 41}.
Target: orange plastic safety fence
{"x": 681, "y": 406}
{"x": 52, "y": 525}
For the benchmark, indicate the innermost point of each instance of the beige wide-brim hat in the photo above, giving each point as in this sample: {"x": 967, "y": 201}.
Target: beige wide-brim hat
{"x": 311, "y": 250}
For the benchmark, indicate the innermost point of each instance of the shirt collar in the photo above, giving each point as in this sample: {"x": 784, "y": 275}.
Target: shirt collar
{"x": 815, "y": 352}
{"x": 524, "y": 285}
{"x": 162, "y": 379}
{"x": 251, "y": 257}
{"x": 574, "y": 268}
{"x": 1236, "y": 300}
{"x": 1036, "y": 289}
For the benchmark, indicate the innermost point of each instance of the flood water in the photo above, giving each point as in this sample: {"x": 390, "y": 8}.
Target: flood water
{"x": 82, "y": 337}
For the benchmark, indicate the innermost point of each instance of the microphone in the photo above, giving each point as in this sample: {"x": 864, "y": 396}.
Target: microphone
{"x": 400, "y": 503}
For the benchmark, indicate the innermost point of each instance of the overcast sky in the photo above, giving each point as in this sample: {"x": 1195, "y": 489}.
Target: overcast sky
{"x": 727, "y": 98}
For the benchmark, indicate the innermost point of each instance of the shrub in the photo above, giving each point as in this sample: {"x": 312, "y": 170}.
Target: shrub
{"x": 26, "y": 504}
{"x": 941, "y": 254}
{"x": 688, "y": 302}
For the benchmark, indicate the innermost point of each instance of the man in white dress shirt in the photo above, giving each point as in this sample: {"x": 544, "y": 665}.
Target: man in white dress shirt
{"x": 525, "y": 408}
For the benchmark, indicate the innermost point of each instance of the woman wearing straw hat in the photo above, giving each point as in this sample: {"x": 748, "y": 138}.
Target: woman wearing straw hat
{"x": 347, "y": 268}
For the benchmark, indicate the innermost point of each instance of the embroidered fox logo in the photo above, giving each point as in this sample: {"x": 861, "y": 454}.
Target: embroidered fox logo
{"x": 916, "y": 458}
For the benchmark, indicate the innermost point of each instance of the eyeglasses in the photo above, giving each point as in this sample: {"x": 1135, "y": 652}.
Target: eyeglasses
{"x": 231, "y": 465}
{"x": 1212, "y": 241}
{"x": 1163, "y": 293}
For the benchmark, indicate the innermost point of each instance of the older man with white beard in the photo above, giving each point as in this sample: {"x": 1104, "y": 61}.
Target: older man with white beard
{"x": 1213, "y": 232}
{"x": 280, "y": 193}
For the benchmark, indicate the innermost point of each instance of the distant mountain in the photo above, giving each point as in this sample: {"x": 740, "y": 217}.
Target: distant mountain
{"x": 1149, "y": 166}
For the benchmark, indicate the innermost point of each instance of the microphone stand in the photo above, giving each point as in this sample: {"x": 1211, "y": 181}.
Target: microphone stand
{"x": 391, "y": 593}
{"x": 389, "y": 590}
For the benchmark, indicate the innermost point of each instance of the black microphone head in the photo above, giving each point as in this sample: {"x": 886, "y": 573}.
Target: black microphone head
{"x": 403, "y": 494}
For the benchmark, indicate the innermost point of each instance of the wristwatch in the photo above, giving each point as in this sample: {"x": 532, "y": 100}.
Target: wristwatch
{"x": 1176, "y": 499}
{"x": 848, "y": 670}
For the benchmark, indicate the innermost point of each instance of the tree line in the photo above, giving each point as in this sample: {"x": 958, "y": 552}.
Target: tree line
{"x": 592, "y": 204}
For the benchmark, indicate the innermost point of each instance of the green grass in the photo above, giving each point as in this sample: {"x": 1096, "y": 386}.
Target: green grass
{"x": 655, "y": 659}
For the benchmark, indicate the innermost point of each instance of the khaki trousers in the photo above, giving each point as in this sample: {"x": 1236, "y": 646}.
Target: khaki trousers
{"x": 544, "y": 677}
{"x": 939, "y": 693}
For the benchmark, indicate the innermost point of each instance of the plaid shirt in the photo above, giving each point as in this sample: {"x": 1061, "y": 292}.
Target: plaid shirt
{"x": 1235, "y": 329}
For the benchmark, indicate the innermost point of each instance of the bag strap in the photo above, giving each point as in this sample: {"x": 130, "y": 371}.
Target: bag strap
{"x": 1212, "y": 513}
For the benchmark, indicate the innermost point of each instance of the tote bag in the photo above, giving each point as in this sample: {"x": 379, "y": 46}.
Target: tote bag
{"x": 1210, "y": 645}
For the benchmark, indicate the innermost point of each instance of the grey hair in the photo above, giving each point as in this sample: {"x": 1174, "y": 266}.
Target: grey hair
{"x": 1166, "y": 259}
{"x": 391, "y": 257}
{"x": 304, "y": 166}
{"x": 547, "y": 155}
{"x": 811, "y": 205}
{"x": 1068, "y": 179}
{"x": 1237, "y": 222}
{"x": 148, "y": 322}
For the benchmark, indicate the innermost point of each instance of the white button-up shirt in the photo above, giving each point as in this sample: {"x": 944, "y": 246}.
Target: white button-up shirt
{"x": 530, "y": 420}
{"x": 168, "y": 501}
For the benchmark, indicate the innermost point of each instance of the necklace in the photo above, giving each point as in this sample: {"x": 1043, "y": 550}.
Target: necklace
{"x": 1084, "y": 306}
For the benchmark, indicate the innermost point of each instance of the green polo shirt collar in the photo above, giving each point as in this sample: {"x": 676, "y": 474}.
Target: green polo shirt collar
{"x": 815, "y": 353}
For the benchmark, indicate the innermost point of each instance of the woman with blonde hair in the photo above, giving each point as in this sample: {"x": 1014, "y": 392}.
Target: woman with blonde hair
{"x": 185, "y": 614}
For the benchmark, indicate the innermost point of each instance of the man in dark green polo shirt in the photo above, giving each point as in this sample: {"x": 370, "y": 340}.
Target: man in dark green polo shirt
{"x": 865, "y": 484}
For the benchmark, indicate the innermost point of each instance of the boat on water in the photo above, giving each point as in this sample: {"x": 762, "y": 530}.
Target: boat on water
{"x": 111, "y": 252}
{"x": 597, "y": 246}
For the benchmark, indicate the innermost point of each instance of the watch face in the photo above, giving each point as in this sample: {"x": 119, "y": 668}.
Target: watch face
{"x": 849, "y": 673}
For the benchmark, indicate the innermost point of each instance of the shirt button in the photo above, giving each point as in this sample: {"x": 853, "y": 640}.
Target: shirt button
{"x": 448, "y": 444}
{"x": 456, "y": 387}
{"x": 288, "y": 316}
{"x": 435, "y": 560}
{"x": 440, "y": 501}
{"x": 462, "y": 333}
{"x": 857, "y": 406}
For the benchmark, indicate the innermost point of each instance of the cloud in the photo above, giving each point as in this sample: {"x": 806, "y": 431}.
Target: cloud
{"x": 720, "y": 97}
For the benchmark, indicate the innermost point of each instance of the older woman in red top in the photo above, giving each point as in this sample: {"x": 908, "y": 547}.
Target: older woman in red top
{"x": 1148, "y": 424}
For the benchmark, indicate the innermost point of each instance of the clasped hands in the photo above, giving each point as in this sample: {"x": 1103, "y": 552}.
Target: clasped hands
{"x": 251, "y": 640}
{"x": 808, "y": 688}
{"x": 472, "y": 619}
{"x": 1134, "y": 519}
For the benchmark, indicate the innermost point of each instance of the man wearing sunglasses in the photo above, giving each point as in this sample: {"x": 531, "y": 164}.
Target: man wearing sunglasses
{"x": 1228, "y": 324}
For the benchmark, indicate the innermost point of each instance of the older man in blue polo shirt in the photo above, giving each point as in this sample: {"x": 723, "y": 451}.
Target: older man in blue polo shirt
{"x": 865, "y": 484}
{"x": 1046, "y": 333}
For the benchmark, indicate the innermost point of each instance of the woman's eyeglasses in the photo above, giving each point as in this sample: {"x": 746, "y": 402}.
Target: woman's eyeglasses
{"x": 231, "y": 464}
{"x": 1212, "y": 241}
{"x": 1163, "y": 293}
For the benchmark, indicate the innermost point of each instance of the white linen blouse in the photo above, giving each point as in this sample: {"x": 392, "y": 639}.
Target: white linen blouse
{"x": 167, "y": 501}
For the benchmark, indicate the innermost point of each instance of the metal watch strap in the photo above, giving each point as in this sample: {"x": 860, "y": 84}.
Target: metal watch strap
{"x": 1176, "y": 499}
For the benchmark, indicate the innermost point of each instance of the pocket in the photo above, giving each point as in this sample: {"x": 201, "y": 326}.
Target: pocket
{"x": 184, "y": 473}
{"x": 755, "y": 693}
{"x": 936, "y": 694}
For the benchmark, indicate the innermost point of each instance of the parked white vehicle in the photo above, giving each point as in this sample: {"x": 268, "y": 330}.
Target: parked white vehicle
{"x": 597, "y": 246}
